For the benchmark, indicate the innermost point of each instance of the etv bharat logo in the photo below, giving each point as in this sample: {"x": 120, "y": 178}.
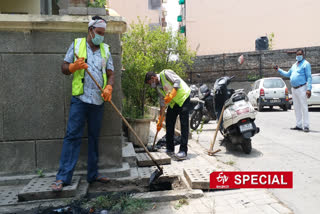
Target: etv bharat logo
{"x": 222, "y": 178}
{"x": 253, "y": 179}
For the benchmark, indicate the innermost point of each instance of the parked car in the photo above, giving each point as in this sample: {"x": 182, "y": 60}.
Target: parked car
{"x": 269, "y": 92}
{"x": 315, "y": 91}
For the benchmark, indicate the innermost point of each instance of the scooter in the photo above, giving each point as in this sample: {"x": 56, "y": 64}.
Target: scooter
{"x": 239, "y": 115}
{"x": 204, "y": 110}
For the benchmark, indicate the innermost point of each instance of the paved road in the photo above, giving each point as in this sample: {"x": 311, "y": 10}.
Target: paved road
{"x": 277, "y": 147}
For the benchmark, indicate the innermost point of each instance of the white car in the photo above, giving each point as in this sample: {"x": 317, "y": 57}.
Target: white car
{"x": 269, "y": 92}
{"x": 315, "y": 91}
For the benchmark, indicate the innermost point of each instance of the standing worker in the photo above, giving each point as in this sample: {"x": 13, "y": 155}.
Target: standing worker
{"x": 301, "y": 82}
{"x": 176, "y": 93}
{"x": 86, "y": 102}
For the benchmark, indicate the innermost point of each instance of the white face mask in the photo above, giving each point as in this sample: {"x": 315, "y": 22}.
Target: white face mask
{"x": 153, "y": 85}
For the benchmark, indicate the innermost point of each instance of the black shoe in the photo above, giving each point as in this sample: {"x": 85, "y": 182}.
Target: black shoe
{"x": 296, "y": 128}
{"x": 306, "y": 129}
{"x": 170, "y": 153}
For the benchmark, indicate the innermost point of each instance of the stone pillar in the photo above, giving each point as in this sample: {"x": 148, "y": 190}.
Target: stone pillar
{"x": 35, "y": 95}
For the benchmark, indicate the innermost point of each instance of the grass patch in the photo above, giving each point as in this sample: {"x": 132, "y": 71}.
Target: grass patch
{"x": 117, "y": 203}
{"x": 231, "y": 163}
{"x": 180, "y": 203}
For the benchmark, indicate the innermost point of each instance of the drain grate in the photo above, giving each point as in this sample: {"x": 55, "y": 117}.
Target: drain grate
{"x": 9, "y": 194}
{"x": 40, "y": 188}
{"x": 198, "y": 178}
{"x": 161, "y": 158}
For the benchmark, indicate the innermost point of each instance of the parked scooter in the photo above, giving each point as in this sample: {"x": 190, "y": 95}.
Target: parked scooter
{"x": 204, "y": 110}
{"x": 238, "y": 117}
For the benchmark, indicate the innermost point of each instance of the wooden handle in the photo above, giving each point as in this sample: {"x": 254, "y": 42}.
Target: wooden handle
{"x": 217, "y": 129}
{"x": 135, "y": 134}
{"x": 124, "y": 120}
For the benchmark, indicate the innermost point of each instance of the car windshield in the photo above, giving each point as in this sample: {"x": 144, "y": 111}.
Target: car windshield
{"x": 316, "y": 79}
{"x": 273, "y": 83}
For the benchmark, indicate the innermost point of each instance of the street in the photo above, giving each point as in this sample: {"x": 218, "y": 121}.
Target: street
{"x": 277, "y": 148}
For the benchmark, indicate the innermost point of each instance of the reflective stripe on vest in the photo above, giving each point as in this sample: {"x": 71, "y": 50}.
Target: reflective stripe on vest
{"x": 182, "y": 93}
{"x": 80, "y": 48}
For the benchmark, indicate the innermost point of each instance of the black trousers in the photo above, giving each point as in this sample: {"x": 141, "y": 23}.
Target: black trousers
{"x": 171, "y": 118}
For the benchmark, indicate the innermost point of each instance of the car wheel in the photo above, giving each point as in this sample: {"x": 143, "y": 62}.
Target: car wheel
{"x": 289, "y": 106}
{"x": 259, "y": 105}
{"x": 285, "y": 108}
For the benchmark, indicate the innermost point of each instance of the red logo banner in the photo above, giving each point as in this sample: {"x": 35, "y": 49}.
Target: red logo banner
{"x": 236, "y": 180}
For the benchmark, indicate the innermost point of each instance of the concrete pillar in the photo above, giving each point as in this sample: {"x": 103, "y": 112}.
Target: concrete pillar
{"x": 35, "y": 95}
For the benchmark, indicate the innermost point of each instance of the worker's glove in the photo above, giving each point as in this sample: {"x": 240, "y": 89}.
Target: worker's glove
{"x": 160, "y": 122}
{"x": 78, "y": 65}
{"x": 170, "y": 96}
{"x": 308, "y": 93}
{"x": 107, "y": 93}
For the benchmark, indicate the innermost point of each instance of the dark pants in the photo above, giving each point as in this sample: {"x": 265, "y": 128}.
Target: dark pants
{"x": 171, "y": 118}
{"x": 80, "y": 112}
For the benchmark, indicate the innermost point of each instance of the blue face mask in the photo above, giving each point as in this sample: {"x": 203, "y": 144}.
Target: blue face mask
{"x": 97, "y": 39}
{"x": 299, "y": 58}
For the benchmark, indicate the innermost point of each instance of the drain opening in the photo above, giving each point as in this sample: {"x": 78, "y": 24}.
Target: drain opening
{"x": 160, "y": 186}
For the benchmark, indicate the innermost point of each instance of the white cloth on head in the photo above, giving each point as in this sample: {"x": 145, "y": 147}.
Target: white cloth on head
{"x": 98, "y": 23}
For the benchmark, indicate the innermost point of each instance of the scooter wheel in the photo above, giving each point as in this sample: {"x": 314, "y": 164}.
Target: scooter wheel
{"x": 246, "y": 146}
{"x": 195, "y": 120}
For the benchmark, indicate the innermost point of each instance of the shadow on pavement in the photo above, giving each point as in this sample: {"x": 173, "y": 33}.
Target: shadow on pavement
{"x": 236, "y": 150}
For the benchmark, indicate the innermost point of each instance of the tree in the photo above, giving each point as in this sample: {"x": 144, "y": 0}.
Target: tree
{"x": 146, "y": 49}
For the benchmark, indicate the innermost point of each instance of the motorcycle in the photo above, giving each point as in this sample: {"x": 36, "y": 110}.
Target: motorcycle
{"x": 238, "y": 124}
{"x": 204, "y": 109}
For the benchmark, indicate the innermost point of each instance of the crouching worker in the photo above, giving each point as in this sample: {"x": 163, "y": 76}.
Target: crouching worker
{"x": 174, "y": 92}
{"x": 86, "y": 102}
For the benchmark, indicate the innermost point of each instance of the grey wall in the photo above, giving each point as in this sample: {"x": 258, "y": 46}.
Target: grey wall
{"x": 35, "y": 99}
{"x": 257, "y": 64}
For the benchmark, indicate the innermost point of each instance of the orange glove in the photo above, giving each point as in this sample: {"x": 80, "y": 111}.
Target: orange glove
{"x": 107, "y": 93}
{"x": 170, "y": 96}
{"x": 160, "y": 122}
{"x": 78, "y": 65}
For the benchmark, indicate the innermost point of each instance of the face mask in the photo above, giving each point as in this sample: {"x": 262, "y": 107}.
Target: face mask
{"x": 299, "y": 58}
{"x": 97, "y": 39}
{"x": 153, "y": 85}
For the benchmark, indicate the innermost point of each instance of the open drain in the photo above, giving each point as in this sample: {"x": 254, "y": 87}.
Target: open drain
{"x": 161, "y": 186}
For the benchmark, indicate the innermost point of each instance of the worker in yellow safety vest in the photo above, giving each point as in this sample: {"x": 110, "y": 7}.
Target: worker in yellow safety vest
{"x": 86, "y": 102}
{"x": 175, "y": 93}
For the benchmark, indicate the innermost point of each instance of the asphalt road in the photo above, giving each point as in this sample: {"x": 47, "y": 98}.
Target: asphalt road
{"x": 277, "y": 147}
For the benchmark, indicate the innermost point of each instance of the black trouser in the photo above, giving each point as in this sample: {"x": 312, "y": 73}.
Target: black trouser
{"x": 171, "y": 118}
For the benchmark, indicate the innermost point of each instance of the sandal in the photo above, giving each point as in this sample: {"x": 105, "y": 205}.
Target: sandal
{"x": 57, "y": 186}
{"x": 102, "y": 179}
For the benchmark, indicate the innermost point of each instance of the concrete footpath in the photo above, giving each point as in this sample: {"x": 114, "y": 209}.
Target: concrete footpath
{"x": 224, "y": 201}
{"x": 189, "y": 191}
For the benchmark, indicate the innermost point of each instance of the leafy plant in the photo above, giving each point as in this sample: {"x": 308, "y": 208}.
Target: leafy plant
{"x": 270, "y": 38}
{"x": 180, "y": 203}
{"x": 117, "y": 203}
{"x": 97, "y": 3}
{"x": 253, "y": 77}
{"x": 40, "y": 173}
{"x": 146, "y": 49}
